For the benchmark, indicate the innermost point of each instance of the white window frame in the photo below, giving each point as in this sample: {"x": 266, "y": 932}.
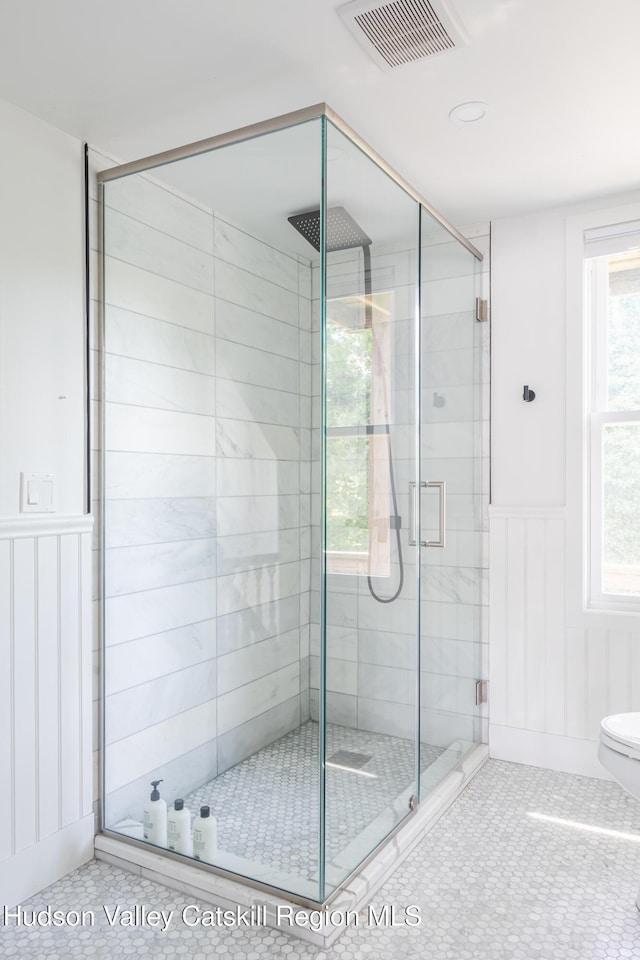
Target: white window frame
{"x": 581, "y": 609}
{"x": 376, "y": 560}
{"x": 596, "y": 277}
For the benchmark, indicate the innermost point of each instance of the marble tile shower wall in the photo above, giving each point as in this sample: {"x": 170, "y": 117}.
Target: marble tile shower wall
{"x": 371, "y": 652}
{"x": 206, "y": 446}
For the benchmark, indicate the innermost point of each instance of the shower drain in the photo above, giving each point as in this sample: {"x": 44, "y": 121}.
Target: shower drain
{"x": 346, "y": 758}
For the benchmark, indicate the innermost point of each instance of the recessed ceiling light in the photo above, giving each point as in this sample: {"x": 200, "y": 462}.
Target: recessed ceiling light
{"x": 470, "y": 112}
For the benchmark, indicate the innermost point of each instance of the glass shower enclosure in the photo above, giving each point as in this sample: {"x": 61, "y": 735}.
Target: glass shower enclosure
{"x": 293, "y": 499}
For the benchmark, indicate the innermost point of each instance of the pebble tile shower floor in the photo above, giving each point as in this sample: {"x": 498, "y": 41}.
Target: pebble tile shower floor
{"x": 492, "y": 882}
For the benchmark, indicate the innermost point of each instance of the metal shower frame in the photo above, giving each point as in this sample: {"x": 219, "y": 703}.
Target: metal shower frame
{"x": 271, "y": 126}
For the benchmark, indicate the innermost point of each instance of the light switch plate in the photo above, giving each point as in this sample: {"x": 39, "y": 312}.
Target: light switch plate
{"x": 37, "y": 493}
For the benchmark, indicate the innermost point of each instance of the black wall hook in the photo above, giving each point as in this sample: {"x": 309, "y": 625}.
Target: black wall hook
{"x": 528, "y": 395}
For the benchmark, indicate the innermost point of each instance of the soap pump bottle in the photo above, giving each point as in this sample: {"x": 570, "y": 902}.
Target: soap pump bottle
{"x": 155, "y": 817}
{"x": 179, "y": 828}
{"x": 205, "y": 836}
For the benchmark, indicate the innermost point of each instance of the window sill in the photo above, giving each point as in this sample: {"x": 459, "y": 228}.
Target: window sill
{"x": 614, "y": 605}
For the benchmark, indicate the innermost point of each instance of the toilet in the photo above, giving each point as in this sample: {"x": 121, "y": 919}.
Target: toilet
{"x": 619, "y": 752}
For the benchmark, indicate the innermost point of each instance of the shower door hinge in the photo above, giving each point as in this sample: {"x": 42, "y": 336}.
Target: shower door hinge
{"x": 481, "y": 692}
{"x": 481, "y": 310}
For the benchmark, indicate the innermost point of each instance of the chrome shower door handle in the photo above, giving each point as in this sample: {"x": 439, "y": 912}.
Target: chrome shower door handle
{"x": 414, "y": 532}
{"x": 442, "y": 513}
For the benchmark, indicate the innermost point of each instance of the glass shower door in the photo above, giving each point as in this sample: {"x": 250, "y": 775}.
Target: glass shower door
{"x": 454, "y": 468}
{"x": 368, "y": 648}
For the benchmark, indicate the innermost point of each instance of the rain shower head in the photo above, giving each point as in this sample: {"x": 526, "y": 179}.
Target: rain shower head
{"x": 342, "y": 230}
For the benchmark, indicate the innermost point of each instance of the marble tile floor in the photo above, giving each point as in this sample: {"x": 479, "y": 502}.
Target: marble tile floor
{"x": 267, "y": 807}
{"x": 492, "y": 881}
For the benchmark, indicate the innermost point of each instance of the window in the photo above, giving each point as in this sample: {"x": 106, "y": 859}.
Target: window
{"x": 358, "y": 504}
{"x": 613, "y": 305}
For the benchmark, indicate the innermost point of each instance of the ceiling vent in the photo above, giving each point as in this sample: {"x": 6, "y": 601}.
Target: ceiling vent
{"x": 402, "y": 31}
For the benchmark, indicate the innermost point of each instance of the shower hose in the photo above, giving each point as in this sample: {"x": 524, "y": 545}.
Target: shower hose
{"x": 366, "y": 251}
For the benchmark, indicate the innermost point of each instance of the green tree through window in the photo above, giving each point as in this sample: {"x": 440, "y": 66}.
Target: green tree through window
{"x": 350, "y": 372}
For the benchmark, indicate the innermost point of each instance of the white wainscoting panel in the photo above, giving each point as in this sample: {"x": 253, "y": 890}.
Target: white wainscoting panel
{"x": 46, "y": 820}
{"x": 552, "y": 681}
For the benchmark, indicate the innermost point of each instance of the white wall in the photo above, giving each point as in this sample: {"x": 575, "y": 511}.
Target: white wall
{"x": 556, "y": 667}
{"x": 527, "y": 299}
{"x": 46, "y": 823}
{"x": 41, "y": 309}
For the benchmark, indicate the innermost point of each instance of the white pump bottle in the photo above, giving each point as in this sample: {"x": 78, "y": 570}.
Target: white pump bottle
{"x": 179, "y": 828}
{"x": 205, "y": 836}
{"x": 155, "y": 817}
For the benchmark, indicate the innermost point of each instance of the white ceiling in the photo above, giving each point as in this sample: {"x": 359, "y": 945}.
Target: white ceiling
{"x": 138, "y": 76}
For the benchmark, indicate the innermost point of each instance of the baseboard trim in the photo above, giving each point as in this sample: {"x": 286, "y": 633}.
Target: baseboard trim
{"x": 553, "y": 752}
{"x": 33, "y": 869}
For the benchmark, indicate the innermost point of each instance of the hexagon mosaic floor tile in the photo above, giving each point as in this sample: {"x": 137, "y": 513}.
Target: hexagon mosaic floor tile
{"x": 528, "y": 864}
{"x": 278, "y": 825}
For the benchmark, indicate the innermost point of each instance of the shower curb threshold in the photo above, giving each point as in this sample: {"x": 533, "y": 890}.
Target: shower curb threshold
{"x": 357, "y": 893}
